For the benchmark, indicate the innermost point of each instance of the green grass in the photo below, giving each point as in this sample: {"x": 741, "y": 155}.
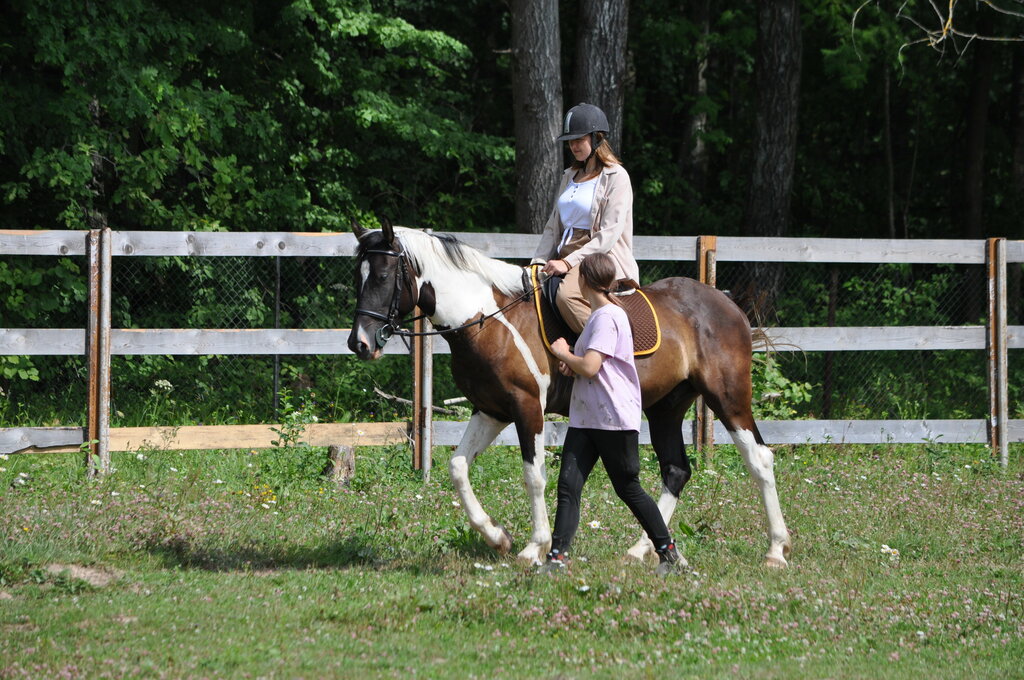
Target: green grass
{"x": 245, "y": 564}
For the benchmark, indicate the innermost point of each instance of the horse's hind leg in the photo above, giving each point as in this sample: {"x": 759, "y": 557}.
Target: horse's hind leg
{"x": 480, "y": 432}
{"x": 665, "y": 420}
{"x": 760, "y": 462}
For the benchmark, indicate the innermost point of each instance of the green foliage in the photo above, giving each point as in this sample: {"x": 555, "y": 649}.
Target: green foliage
{"x": 295, "y": 463}
{"x": 776, "y": 396}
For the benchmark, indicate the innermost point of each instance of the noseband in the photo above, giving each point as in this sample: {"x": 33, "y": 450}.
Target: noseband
{"x": 391, "y": 320}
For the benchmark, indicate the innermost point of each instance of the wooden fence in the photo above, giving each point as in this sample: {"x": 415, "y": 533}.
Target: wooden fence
{"x": 99, "y": 341}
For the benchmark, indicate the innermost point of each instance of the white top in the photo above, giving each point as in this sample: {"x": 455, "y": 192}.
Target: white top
{"x": 574, "y": 208}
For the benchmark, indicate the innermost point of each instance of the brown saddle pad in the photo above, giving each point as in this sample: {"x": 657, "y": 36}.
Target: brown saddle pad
{"x": 643, "y": 320}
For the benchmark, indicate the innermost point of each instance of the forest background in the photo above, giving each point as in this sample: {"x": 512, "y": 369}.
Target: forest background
{"x": 820, "y": 118}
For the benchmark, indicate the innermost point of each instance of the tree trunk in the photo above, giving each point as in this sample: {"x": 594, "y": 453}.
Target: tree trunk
{"x": 694, "y": 154}
{"x": 973, "y": 220}
{"x": 537, "y": 109}
{"x": 1017, "y": 125}
{"x": 974, "y": 153}
{"x": 600, "y": 73}
{"x": 777, "y": 74}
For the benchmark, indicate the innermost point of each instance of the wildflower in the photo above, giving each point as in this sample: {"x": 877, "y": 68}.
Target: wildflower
{"x": 96, "y": 502}
{"x": 485, "y": 567}
{"x": 594, "y": 525}
{"x": 584, "y": 588}
{"x": 114, "y": 493}
{"x": 218, "y": 481}
{"x": 265, "y": 506}
{"x": 164, "y": 385}
{"x": 4, "y": 456}
{"x": 140, "y": 456}
{"x": 174, "y": 469}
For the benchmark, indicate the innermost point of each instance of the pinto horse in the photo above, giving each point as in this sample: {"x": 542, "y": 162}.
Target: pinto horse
{"x": 499, "y": 361}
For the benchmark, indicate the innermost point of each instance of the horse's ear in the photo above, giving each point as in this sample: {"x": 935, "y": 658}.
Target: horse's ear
{"x": 358, "y": 230}
{"x": 388, "y": 229}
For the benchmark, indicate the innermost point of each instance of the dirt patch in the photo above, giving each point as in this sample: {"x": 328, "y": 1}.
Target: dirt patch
{"x": 97, "y": 577}
{"x": 4, "y": 595}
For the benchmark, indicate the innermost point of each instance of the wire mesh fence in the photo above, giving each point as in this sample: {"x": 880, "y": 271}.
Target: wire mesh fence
{"x": 318, "y": 292}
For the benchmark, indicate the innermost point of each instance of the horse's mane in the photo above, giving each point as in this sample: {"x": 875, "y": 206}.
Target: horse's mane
{"x": 434, "y": 254}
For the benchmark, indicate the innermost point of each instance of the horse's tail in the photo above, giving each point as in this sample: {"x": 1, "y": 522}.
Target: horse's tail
{"x": 760, "y": 340}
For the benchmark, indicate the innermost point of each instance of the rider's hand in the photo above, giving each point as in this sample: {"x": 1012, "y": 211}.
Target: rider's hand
{"x": 555, "y": 267}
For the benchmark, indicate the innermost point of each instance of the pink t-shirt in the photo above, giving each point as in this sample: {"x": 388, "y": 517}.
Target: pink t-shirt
{"x": 611, "y": 399}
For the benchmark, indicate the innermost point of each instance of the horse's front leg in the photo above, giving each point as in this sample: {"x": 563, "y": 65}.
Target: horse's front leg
{"x": 480, "y": 432}
{"x": 535, "y": 477}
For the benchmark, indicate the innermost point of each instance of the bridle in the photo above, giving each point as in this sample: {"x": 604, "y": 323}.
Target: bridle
{"x": 393, "y": 322}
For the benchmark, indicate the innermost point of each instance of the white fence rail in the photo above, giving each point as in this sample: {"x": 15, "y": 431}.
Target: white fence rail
{"x": 996, "y": 338}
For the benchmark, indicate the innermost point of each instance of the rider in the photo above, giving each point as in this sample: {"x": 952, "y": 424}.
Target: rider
{"x": 593, "y": 212}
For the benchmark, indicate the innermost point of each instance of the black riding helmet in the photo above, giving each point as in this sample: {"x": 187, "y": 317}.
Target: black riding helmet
{"x": 583, "y": 119}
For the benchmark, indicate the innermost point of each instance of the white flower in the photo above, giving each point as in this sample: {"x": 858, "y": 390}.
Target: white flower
{"x": 96, "y": 502}
{"x": 174, "y": 469}
{"x": 265, "y": 506}
{"x": 4, "y": 456}
{"x": 485, "y": 567}
{"x": 114, "y": 493}
{"x": 218, "y": 481}
{"x": 140, "y": 456}
{"x": 594, "y": 525}
{"x": 583, "y": 588}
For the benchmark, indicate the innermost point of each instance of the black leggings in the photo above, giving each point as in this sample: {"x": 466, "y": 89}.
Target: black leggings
{"x": 619, "y": 451}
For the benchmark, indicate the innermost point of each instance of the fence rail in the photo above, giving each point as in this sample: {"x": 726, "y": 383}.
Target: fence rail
{"x": 99, "y": 341}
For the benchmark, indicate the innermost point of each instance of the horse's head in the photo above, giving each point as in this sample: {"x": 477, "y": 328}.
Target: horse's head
{"x": 385, "y": 285}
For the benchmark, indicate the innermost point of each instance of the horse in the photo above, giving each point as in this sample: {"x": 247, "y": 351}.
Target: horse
{"x": 484, "y": 310}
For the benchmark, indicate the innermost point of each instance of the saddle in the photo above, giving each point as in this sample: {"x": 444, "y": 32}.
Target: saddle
{"x": 643, "y": 320}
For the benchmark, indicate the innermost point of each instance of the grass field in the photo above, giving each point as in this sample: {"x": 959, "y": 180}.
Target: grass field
{"x": 908, "y": 562}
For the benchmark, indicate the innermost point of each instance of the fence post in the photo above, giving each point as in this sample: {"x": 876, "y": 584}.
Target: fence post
{"x": 704, "y": 423}
{"x": 422, "y": 394}
{"x": 996, "y": 346}
{"x": 426, "y": 389}
{"x": 97, "y": 454}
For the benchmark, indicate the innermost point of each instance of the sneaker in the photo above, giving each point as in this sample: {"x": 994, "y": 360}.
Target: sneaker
{"x": 669, "y": 560}
{"x": 555, "y": 563}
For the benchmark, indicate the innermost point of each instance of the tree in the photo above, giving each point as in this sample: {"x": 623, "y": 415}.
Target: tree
{"x": 777, "y": 74}
{"x": 600, "y": 69}
{"x": 537, "y": 104}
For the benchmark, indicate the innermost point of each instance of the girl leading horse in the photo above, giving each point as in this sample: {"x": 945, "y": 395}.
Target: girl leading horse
{"x": 482, "y": 307}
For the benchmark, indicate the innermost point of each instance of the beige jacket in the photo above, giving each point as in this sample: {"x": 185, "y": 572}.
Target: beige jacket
{"x": 611, "y": 222}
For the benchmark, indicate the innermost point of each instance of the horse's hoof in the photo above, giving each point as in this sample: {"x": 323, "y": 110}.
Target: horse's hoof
{"x": 504, "y": 544}
{"x": 776, "y": 562}
{"x": 531, "y": 556}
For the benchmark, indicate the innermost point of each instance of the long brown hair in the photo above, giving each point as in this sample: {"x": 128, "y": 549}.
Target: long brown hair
{"x": 604, "y": 154}
{"x": 598, "y": 271}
